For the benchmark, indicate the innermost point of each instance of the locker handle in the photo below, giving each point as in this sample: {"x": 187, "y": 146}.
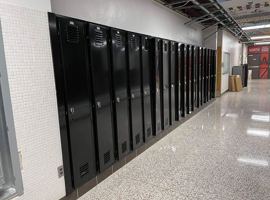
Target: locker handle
{"x": 118, "y": 99}
{"x": 172, "y": 85}
{"x": 145, "y": 92}
{"x": 157, "y": 89}
{"x": 72, "y": 111}
{"x": 132, "y": 96}
{"x": 164, "y": 88}
{"x": 98, "y": 104}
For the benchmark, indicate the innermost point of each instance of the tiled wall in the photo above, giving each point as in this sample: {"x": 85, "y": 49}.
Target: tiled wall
{"x": 31, "y": 80}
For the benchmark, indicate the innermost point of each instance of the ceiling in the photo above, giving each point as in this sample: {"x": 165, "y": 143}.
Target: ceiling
{"x": 208, "y": 13}
{"x": 250, "y": 13}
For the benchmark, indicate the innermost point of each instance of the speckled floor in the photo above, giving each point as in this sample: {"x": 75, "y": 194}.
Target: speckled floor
{"x": 221, "y": 153}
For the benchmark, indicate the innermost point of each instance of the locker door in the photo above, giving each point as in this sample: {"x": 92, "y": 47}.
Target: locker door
{"x": 146, "y": 64}
{"x": 184, "y": 77}
{"x": 189, "y": 79}
{"x": 194, "y": 71}
{"x": 178, "y": 80}
{"x": 209, "y": 74}
{"x": 78, "y": 101}
{"x": 120, "y": 83}
{"x": 135, "y": 89}
{"x": 157, "y": 83}
{"x": 101, "y": 81}
{"x": 198, "y": 74}
{"x": 165, "y": 83}
{"x": 202, "y": 76}
{"x": 173, "y": 84}
{"x": 214, "y": 75}
{"x": 205, "y": 75}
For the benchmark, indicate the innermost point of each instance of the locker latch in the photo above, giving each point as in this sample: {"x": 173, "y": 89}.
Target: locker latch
{"x": 157, "y": 89}
{"x": 172, "y": 85}
{"x": 118, "y": 99}
{"x": 72, "y": 111}
{"x": 132, "y": 96}
{"x": 145, "y": 93}
{"x": 164, "y": 88}
{"x": 98, "y": 104}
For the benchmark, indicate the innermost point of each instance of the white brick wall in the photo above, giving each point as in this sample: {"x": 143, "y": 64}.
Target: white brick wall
{"x": 33, "y": 97}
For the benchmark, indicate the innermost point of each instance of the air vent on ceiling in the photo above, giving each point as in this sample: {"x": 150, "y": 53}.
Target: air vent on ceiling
{"x": 148, "y": 132}
{"x": 133, "y": 43}
{"x": 72, "y": 33}
{"x": 107, "y": 157}
{"x": 165, "y": 47}
{"x": 124, "y": 147}
{"x": 84, "y": 170}
{"x": 138, "y": 138}
{"x": 146, "y": 44}
{"x": 99, "y": 38}
{"x": 118, "y": 40}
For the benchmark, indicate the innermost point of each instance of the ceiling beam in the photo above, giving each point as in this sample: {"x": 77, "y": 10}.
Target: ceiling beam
{"x": 201, "y": 17}
{"x": 176, "y": 2}
{"x": 193, "y": 6}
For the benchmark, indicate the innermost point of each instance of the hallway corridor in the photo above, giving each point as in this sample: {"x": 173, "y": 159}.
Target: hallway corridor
{"x": 223, "y": 152}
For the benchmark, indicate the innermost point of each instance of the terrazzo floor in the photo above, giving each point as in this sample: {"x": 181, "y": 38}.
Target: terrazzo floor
{"x": 223, "y": 152}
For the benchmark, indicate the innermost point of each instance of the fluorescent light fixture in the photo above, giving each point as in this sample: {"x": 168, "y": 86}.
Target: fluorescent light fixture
{"x": 260, "y": 37}
{"x": 262, "y": 43}
{"x": 261, "y": 118}
{"x": 253, "y": 161}
{"x": 231, "y": 115}
{"x": 256, "y": 27}
{"x": 258, "y": 132}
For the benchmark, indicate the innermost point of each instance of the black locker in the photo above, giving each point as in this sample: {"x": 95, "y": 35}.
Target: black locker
{"x": 173, "y": 84}
{"x": 194, "y": 81}
{"x": 214, "y": 75}
{"x": 134, "y": 67}
{"x": 157, "y": 86}
{"x": 146, "y": 87}
{"x": 209, "y": 74}
{"x": 180, "y": 99}
{"x": 77, "y": 100}
{"x": 120, "y": 83}
{"x": 165, "y": 84}
{"x": 102, "y": 98}
{"x": 184, "y": 79}
{"x": 189, "y": 79}
{"x": 198, "y": 77}
{"x": 205, "y": 56}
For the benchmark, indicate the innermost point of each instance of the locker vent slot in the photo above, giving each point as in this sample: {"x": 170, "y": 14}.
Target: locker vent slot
{"x": 107, "y": 157}
{"x": 146, "y": 44}
{"x": 165, "y": 47}
{"x": 99, "y": 38}
{"x": 72, "y": 33}
{"x": 148, "y": 132}
{"x": 138, "y": 138}
{"x": 118, "y": 40}
{"x": 84, "y": 170}
{"x": 133, "y": 43}
{"x": 124, "y": 147}
{"x": 166, "y": 121}
{"x": 158, "y": 126}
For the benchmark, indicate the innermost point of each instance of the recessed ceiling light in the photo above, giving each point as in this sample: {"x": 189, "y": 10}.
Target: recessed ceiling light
{"x": 260, "y": 37}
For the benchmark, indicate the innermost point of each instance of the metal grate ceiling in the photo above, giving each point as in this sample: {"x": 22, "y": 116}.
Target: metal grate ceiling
{"x": 208, "y": 13}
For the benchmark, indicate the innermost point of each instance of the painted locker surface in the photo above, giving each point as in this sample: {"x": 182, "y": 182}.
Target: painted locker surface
{"x": 214, "y": 74}
{"x": 102, "y": 98}
{"x": 180, "y": 75}
{"x": 205, "y": 75}
{"x": 184, "y": 79}
{"x": 156, "y": 48}
{"x": 202, "y": 76}
{"x": 120, "y": 82}
{"x": 194, "y": 75}
{"x": 198, "y": 77}
{"x": 78, "y": 100}
{"x": 146, "y": 85}
{"x": 209, "y": 74}
{"x": 165, "y": 84}
{"x": 134, "y": 66}
{"x": 173, "y": 84}
{"x": 189, "y": 78}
